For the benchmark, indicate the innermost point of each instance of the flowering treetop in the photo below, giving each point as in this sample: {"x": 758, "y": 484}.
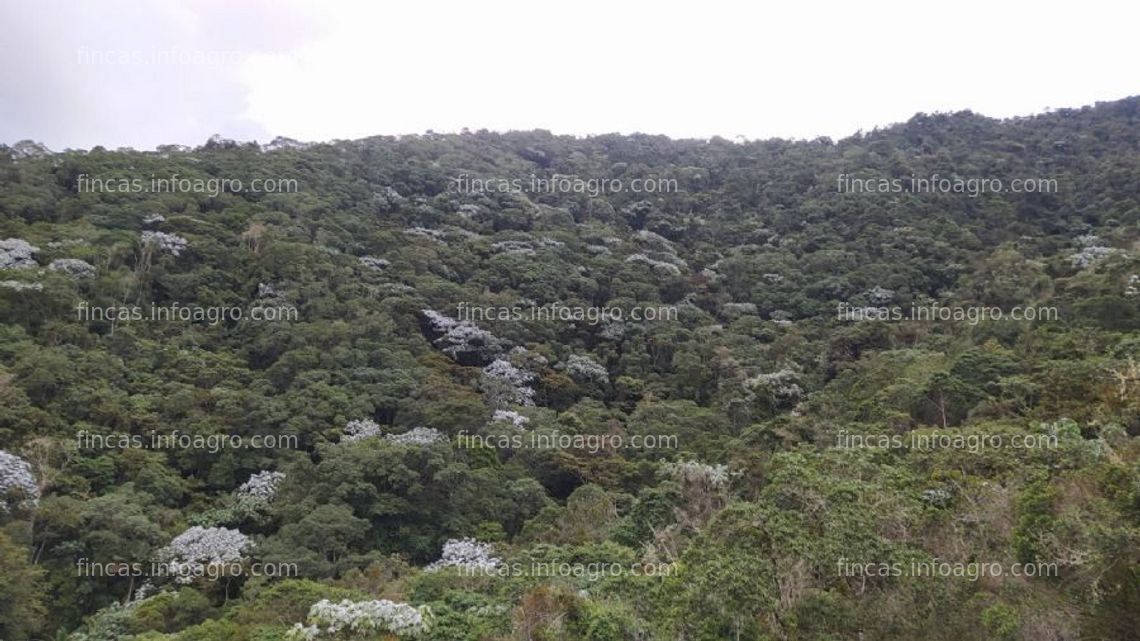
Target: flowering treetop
{"x": 359, "y": 618}
{"x": 367, "y": 428}
{"x": 190, "y": 553}
{"x": 360, "y": 429}
{"x": 504, "y": 384}
{"x": 165, "y": 242}
{"x": 467, "y": 554}
{"x": 694, "y": 471}
{"x": 516, "y": 419}
{"x": 259, "y": 490}
{"x": 17, "y": 482}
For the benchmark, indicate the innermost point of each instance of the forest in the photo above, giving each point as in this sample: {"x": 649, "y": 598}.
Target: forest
{"x": 522, "y": 386}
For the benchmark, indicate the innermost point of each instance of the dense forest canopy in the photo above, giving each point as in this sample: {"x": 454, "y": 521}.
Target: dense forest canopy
{"x": 245, "y": 397}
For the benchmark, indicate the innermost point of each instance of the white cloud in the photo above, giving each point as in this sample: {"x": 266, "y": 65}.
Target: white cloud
{"x": 345, "y": 69}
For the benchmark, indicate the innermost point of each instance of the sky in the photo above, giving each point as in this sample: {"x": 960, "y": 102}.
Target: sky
{"x": 119, "y": 73}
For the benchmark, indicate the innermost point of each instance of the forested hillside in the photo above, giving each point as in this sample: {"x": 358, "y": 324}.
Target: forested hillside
{"x": 729, "y": 425}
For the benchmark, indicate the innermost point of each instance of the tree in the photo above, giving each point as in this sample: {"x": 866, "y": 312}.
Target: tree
{"x": 22, "y": 609}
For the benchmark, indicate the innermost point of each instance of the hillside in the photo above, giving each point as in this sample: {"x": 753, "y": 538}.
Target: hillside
{"x": 332, "y": 362}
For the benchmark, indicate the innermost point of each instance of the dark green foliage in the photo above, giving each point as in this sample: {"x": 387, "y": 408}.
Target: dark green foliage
{"x": 755, "y": 250}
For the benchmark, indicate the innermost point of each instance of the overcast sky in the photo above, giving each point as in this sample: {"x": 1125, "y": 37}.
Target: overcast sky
{"x": 142, "y": 73}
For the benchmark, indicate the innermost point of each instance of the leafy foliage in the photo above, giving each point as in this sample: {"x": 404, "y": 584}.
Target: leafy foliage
{"x": 375, "y": 392}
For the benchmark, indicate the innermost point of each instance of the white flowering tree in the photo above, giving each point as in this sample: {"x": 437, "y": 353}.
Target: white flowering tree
{"x": 781, "y": 383}
{"x": 1092, "y": 251}
{"x": 164, "y": 242}
{"x": 361, "y": 620}
{"x": 363, "y": 429}
{"x": 504, "y": 385}
{"x": 255, "y": 495}
{"x": 360, "y": 429}
{"x": 191, "y": 554}
{"x": 775, "y": 390}
{"x": 16, "y": 253}
{"x": 703, "y": 493}
{"x": 465, "y": 342}
{"x": 72, "y": 267}
{"x": 509, "y": 416}
{"x": 586, "y": 369}
{"x": 466, "y": 554}
{"x": 418, "y": 436}
{"x": 695, "y": 472}
{"x": 18, "y": 487}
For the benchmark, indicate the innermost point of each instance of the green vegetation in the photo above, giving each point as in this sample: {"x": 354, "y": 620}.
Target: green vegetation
{"x": 745, "y": 525}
